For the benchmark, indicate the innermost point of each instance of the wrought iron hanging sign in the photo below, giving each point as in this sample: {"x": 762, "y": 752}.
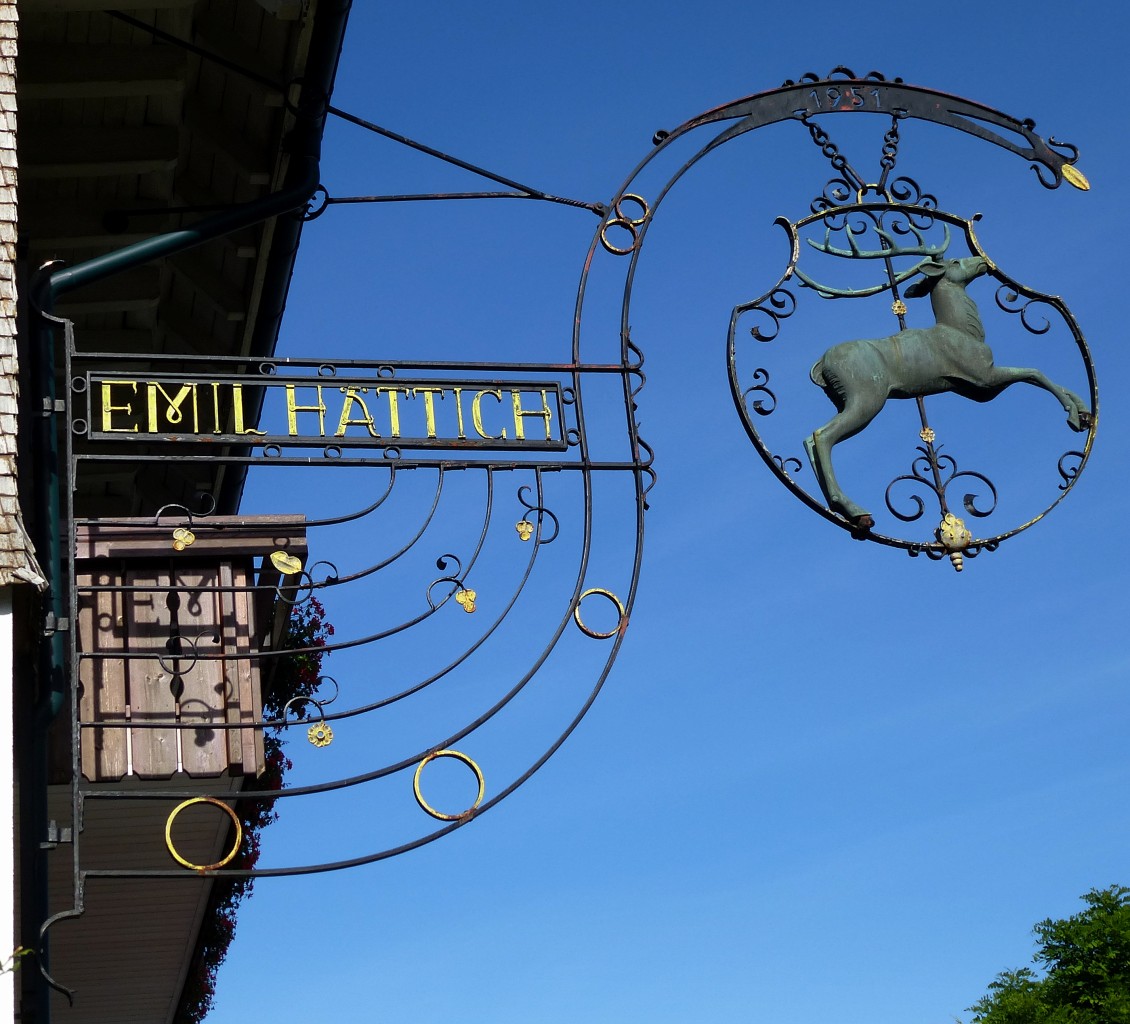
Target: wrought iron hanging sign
{"x": 180, "y": 614}
{"x": 875, "y": 240}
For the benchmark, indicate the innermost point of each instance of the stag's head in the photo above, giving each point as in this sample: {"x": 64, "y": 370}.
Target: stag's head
{"x": 959, "y": 272}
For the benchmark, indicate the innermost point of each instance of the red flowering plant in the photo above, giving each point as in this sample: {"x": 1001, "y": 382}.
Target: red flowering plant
{"x": 295, "y": 677}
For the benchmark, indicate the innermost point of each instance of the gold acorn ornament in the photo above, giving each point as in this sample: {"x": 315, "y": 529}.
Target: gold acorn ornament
{"x": 955, "y": 538}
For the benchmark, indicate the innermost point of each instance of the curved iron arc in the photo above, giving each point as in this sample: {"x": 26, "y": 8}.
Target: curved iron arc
{"x": 629, "y": 603}
{"x": 41, "y": 961}
{"x": 385, "y": 563}
{"x": 351, "y": 517}
{"x": 417, "y": 687}
{"x": 454, "y": 664}
{"x": 876, "y": 95}
{"x": 448, "y": 741}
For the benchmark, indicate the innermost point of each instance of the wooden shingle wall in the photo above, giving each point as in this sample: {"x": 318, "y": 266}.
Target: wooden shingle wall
{"x": 17, "y": 560}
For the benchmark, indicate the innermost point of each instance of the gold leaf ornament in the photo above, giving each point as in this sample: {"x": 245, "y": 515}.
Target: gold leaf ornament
{"x": 320, "y": 734}
{"x": 525, "y": 529}
{"x": 182, "y": 538}
{"x": 286, "y": 563}
{"x": 1073, "y": 176}
{"x": 466, "y": 598}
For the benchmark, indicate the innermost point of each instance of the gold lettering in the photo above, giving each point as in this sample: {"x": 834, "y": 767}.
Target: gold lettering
{"x": 429, "y": 406}
{"x": 477, "y": 413}
{"x": 237, "y": 412}
{"x": 108, "y": 407}
{"x": 292, "y": 410}
{"x": 393, "y": 407}
{"x": 366, "y": 419}
{"x": 173, "y": 415}
{"x": 519, "y": 414}
{"x": 459, "y": 412}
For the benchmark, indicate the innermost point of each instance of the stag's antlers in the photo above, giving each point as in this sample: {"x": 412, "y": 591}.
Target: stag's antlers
{"x": 892, "y": 248}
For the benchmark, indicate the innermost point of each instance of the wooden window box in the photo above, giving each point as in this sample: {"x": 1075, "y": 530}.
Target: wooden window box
{"x": 191, "y": 625}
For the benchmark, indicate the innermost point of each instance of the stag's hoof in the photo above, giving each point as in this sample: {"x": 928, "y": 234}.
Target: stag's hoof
{"x": 862, "y": 525}
{"x": 1083, "y": 421}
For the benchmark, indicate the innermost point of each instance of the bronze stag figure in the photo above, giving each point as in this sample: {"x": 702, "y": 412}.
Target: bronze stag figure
{"x": 859, "y": 376}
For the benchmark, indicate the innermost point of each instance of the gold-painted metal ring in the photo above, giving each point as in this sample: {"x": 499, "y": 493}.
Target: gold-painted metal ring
{"x": 634, "y": 221}
{"x": 595, "y": 634}
{"x": 204, "y": 867}
{"x": 629, "y": 224}
{"x": 617, "y": 250}
{"x": 458, "y": 756}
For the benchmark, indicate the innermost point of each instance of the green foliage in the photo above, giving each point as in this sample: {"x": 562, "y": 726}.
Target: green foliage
{"x": 1086, "y": 958}
{"x": 12, "y": 964}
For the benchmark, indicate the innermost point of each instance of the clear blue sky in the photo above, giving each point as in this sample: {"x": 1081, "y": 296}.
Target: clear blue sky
{"x": 825, "y": 782}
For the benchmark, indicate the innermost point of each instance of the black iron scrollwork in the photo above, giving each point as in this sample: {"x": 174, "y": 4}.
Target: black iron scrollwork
{"x": 1011, "y": 300}
{"x": 540, "y": 511}
{"x": 927, "y": 471}
{"x": 1068, "y": 466}
{"x": 784, "y": 462}
{"x": 758, "y": 405}
{"x": 778, "y": 305}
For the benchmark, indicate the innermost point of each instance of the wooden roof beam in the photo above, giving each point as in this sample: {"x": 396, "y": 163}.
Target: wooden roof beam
{"x": 54, "y": 71}
{"x": 180, "y": 335}
{"x": 68, "y": 6}
{"x": 244, "y": 56}
{"x": 284, "y": 10}
{"x": 96, "y": 152}
{"x": 225, "y": 298}
{"x": 56, "y": 224}
{"x": 209, "y": 128}
{"x": 130, "y": 290}
{"x": 129, "y": 340}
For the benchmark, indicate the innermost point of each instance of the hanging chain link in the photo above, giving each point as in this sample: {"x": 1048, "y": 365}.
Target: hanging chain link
{"x": 890, "y": 152}
{"x": 840, "y": 163}
{"x": 832, "y": 152}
